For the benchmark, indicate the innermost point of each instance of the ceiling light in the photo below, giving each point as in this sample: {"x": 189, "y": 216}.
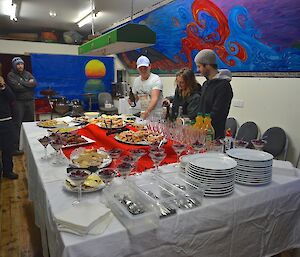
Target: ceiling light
{"x": 52, "y": 14}
{"x": 13, "y": 10}
{"x": 87, "y": 19}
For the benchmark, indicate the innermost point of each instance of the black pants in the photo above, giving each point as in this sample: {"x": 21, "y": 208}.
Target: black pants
{"x": 22, "y": 111}
{"x": 6, "y": 145}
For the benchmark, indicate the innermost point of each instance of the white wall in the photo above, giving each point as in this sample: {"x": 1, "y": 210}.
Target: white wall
{"x": 267, "y": 101}
{"x": 25, "y": 47}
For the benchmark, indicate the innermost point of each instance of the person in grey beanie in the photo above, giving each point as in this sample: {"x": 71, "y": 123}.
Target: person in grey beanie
{"x": 22, "y": 84}
{"x": 216, "y": 92}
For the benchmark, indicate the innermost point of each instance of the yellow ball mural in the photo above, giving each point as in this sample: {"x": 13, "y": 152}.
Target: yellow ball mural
{"x": 95, "y": 69}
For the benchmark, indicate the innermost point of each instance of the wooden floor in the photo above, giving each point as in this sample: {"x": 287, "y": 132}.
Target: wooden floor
{"x": 19, "y": 237}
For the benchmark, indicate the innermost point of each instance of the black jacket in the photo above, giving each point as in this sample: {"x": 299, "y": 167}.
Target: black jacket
{"x": 6, "y": 99}
{"x": 216, "y": 96}
{"x": 19, "y": 83}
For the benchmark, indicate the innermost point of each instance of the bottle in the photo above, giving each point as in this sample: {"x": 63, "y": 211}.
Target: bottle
{"x": 179, "y": 119}
{"x": 199, "y": 121}
{"x": 131, "y": 98}
{"x": 209, "y": 130}
{"x": 228, "y": 140}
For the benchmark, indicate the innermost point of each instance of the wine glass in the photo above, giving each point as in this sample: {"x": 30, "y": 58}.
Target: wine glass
{"x": 217, "y": 146}
{"x": 136, "y": 154}
{"x": 56, "y": 144}
{"x": 178, "y": 148}
{"x": 258, "y": 144}
{"x": 78, "y": 177}
{"x": 157, "y": 157}
{"x": 107, "y": 174}
{"x": 124, "y": 169}
{"x": 240, "y": 143}
{"x": 198, "y": 146}
{"x": 45, "y": 141}
{"x": 115, "y": 153}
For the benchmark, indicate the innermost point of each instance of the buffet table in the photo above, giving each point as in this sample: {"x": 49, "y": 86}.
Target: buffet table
{"x": 253, "y": 221}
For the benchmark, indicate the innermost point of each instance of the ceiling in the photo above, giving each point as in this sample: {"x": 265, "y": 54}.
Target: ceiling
{"x": 34, "y": 15}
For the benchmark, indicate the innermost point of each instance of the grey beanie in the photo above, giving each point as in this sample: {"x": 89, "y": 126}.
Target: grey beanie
{"x": 15, "y": 61}
{"x": 206, "y": 56}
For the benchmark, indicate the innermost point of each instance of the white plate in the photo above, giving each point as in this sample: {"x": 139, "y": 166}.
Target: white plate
{"x": 84, "y": 190}
{"x": 210, "y": 173}
{"x": 188, "y": 158}
{"x": 258, "y": 169}
{"x": 215, "y": 163}
{"x": 211, "y": 178}
{"x": 254, "y": 164}
{"x": 253, "y": 183}
{"x": 88, "y": 141}
{"x": 219, "y": 190}
{"x": 219, "y": 195}
{"x": 249, "y": 155}
{"x": 75, "y": 153}
{"x": 250, "y": 175}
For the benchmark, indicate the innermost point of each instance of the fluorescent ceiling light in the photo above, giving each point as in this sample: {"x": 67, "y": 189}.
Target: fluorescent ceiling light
{"x": 13, "y": 10}
{"x": 87, "y": 19}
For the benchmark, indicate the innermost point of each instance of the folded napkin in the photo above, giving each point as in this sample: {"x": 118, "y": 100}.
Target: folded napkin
{"x": 65, "y": 119}
{"x": 82, "y": 218}
{"x": 282, "y": 164}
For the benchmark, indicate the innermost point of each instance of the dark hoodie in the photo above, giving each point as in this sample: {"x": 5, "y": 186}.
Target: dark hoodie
{"x": 216, "y": 98}
{"x": 6, "y": 99}
{"x": 19, "y": 83}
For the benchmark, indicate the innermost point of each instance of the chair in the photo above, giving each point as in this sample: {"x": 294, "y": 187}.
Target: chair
{"x": 232, "y": 124}
{"x": 247, "y": 132}
{"x": 104, "y": 98}
{"x": 277, "y": 142}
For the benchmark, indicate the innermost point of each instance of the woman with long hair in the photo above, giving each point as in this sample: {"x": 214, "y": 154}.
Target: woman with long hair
{"x": 187, "y": 94}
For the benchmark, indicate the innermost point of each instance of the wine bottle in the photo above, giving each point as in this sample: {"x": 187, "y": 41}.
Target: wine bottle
{"x": 131, "y": 98}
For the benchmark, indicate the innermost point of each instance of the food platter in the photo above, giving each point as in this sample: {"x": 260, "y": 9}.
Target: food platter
{"x": 92, "y": 184}
{"x": 63, "y": 130}
{"x": 84, "y": 158}
{"x": 52, "y": 124}
{"x": 139, "y": 137}
{"x": 87, "y": 141}
{"x": 145, "y": 143}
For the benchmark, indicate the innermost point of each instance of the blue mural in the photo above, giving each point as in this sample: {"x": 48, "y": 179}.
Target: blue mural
{"x": 73, "y": 76}
{"x": 247, "y": 35}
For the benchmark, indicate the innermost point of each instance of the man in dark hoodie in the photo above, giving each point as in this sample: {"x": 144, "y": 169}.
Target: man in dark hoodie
{"x": 6, "y": 132}
{"x": 22, "y": 83}
{"x": 216, "y": 93}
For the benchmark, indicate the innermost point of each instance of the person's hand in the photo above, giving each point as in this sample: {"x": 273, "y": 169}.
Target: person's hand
{"x": 144, "y": 114}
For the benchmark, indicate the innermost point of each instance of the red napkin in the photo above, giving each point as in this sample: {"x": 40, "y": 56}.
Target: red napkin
{"x": 108, "y": 142}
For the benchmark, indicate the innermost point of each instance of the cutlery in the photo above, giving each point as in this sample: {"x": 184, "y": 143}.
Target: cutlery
{"x": 165, "y": 210}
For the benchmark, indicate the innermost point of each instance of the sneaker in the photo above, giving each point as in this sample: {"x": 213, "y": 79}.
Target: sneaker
{"x": 18, "y": 152}
{"x": 10, "y": 175}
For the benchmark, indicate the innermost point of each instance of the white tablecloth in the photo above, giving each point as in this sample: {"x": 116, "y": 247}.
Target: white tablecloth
{"x": 253, "y": 221}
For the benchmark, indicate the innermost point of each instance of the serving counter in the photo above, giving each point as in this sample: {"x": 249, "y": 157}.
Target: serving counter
{"x": 253, "y": 221}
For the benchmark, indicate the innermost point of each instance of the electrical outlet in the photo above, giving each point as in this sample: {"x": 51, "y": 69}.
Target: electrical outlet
{"x": 238, "y": 103}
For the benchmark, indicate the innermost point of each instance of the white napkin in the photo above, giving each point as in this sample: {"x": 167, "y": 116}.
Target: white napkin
{"x": 67, "y": 119}
{"x": 282, "y": 164}
{"x": 96, "y": 230}
{"x": 83, "y": 217}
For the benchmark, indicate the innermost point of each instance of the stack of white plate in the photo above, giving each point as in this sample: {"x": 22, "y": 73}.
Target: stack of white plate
{"x": 254, "y": 167}
{"x": 215, "y": 171}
